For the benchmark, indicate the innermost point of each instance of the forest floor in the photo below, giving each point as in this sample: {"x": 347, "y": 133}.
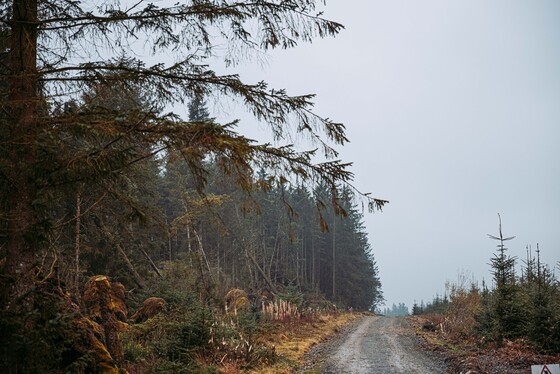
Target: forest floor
{"x": 466, "y": 356}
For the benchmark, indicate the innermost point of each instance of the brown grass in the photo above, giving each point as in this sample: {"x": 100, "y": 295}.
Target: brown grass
{"x": 466, "y": 355}
{"x": 294, "y": 339}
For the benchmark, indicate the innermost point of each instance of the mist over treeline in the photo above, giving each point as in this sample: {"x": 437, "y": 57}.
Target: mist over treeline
{"x": 395, "y": 310}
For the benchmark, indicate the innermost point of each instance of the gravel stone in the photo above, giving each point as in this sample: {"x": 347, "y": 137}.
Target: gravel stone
{"x": 374, "y": 344}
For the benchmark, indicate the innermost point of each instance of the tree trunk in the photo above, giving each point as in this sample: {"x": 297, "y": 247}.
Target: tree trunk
{"x": 19, "y": 159}
{"x": 313, "y": 271}
{"x": 152, "y": 264}
{"x": 19, "y": 268}
{"x": 334, "y": 257}
{"x": 189, "y": 238}
{"x": 137, "y": 278}
{"x": 199, "y": 240}
{"x": 268, "y": 281}
{"x": 77, "y": 242}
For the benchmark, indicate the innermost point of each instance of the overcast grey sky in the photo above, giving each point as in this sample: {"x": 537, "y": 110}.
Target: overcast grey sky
{"x": 453, "y": 110}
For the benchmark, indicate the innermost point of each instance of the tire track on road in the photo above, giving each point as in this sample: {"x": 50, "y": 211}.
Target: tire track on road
{"x": 382, "y": 345}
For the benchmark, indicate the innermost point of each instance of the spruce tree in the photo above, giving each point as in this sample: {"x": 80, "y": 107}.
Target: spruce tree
{"x": 543, "y": 305}
{"x": 197, "y": 109}
{"x": 485, "y": 318}
{"x": 506, "y": 303}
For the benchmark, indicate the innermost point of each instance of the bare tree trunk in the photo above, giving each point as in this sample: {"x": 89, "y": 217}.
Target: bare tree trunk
{"x": 19, "y": 267}
{"x": 152, "y": 264}
{"x": 77, "y": 242}
{"x": 170, "y": 244}
{"x": 20, "y": 157}
{"x": 312, "y": 261}
{"x": 334, "y": 257}
{"x": 297, "y": 261}
{"x": 219, "y": 262}
{"x": 261, "y": 271}
{"x": 168, "y": 229}
{"x": 274, "y": 251}
{"x": 203, "y": 253}
{"x": 137, "y": 278}
{"x": 189, "y": 245}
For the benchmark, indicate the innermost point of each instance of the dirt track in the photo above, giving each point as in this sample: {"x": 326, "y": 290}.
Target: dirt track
{"x": 378, "y": 345}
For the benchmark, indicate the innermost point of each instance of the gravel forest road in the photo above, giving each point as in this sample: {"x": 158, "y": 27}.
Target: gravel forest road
{"x": 379, "y": 345}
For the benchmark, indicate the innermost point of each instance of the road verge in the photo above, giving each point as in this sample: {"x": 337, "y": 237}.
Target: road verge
{"x": 470, "y": 356}
{"x": 294, "y": 342}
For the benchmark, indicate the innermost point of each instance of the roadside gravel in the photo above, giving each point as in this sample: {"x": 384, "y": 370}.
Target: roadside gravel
{"x": 373, "y": 344}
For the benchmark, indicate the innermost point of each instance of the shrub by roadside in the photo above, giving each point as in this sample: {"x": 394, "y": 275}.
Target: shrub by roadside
{"x": 467, "y": 354}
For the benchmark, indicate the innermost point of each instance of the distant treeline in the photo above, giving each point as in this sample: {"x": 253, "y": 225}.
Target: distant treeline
{"x": 395, "y": 310}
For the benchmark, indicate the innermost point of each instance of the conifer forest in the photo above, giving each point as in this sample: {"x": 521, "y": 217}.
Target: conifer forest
{"x": 135, "y": 238}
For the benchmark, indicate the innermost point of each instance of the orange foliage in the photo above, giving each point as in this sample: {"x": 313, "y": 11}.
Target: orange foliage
{"x": 150, "y": 307}
{"x": 104, "y": 301}
{"x": 460, "y": 320}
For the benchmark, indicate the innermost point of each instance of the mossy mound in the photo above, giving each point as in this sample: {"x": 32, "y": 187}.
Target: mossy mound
{"x": 151, "y": 307}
